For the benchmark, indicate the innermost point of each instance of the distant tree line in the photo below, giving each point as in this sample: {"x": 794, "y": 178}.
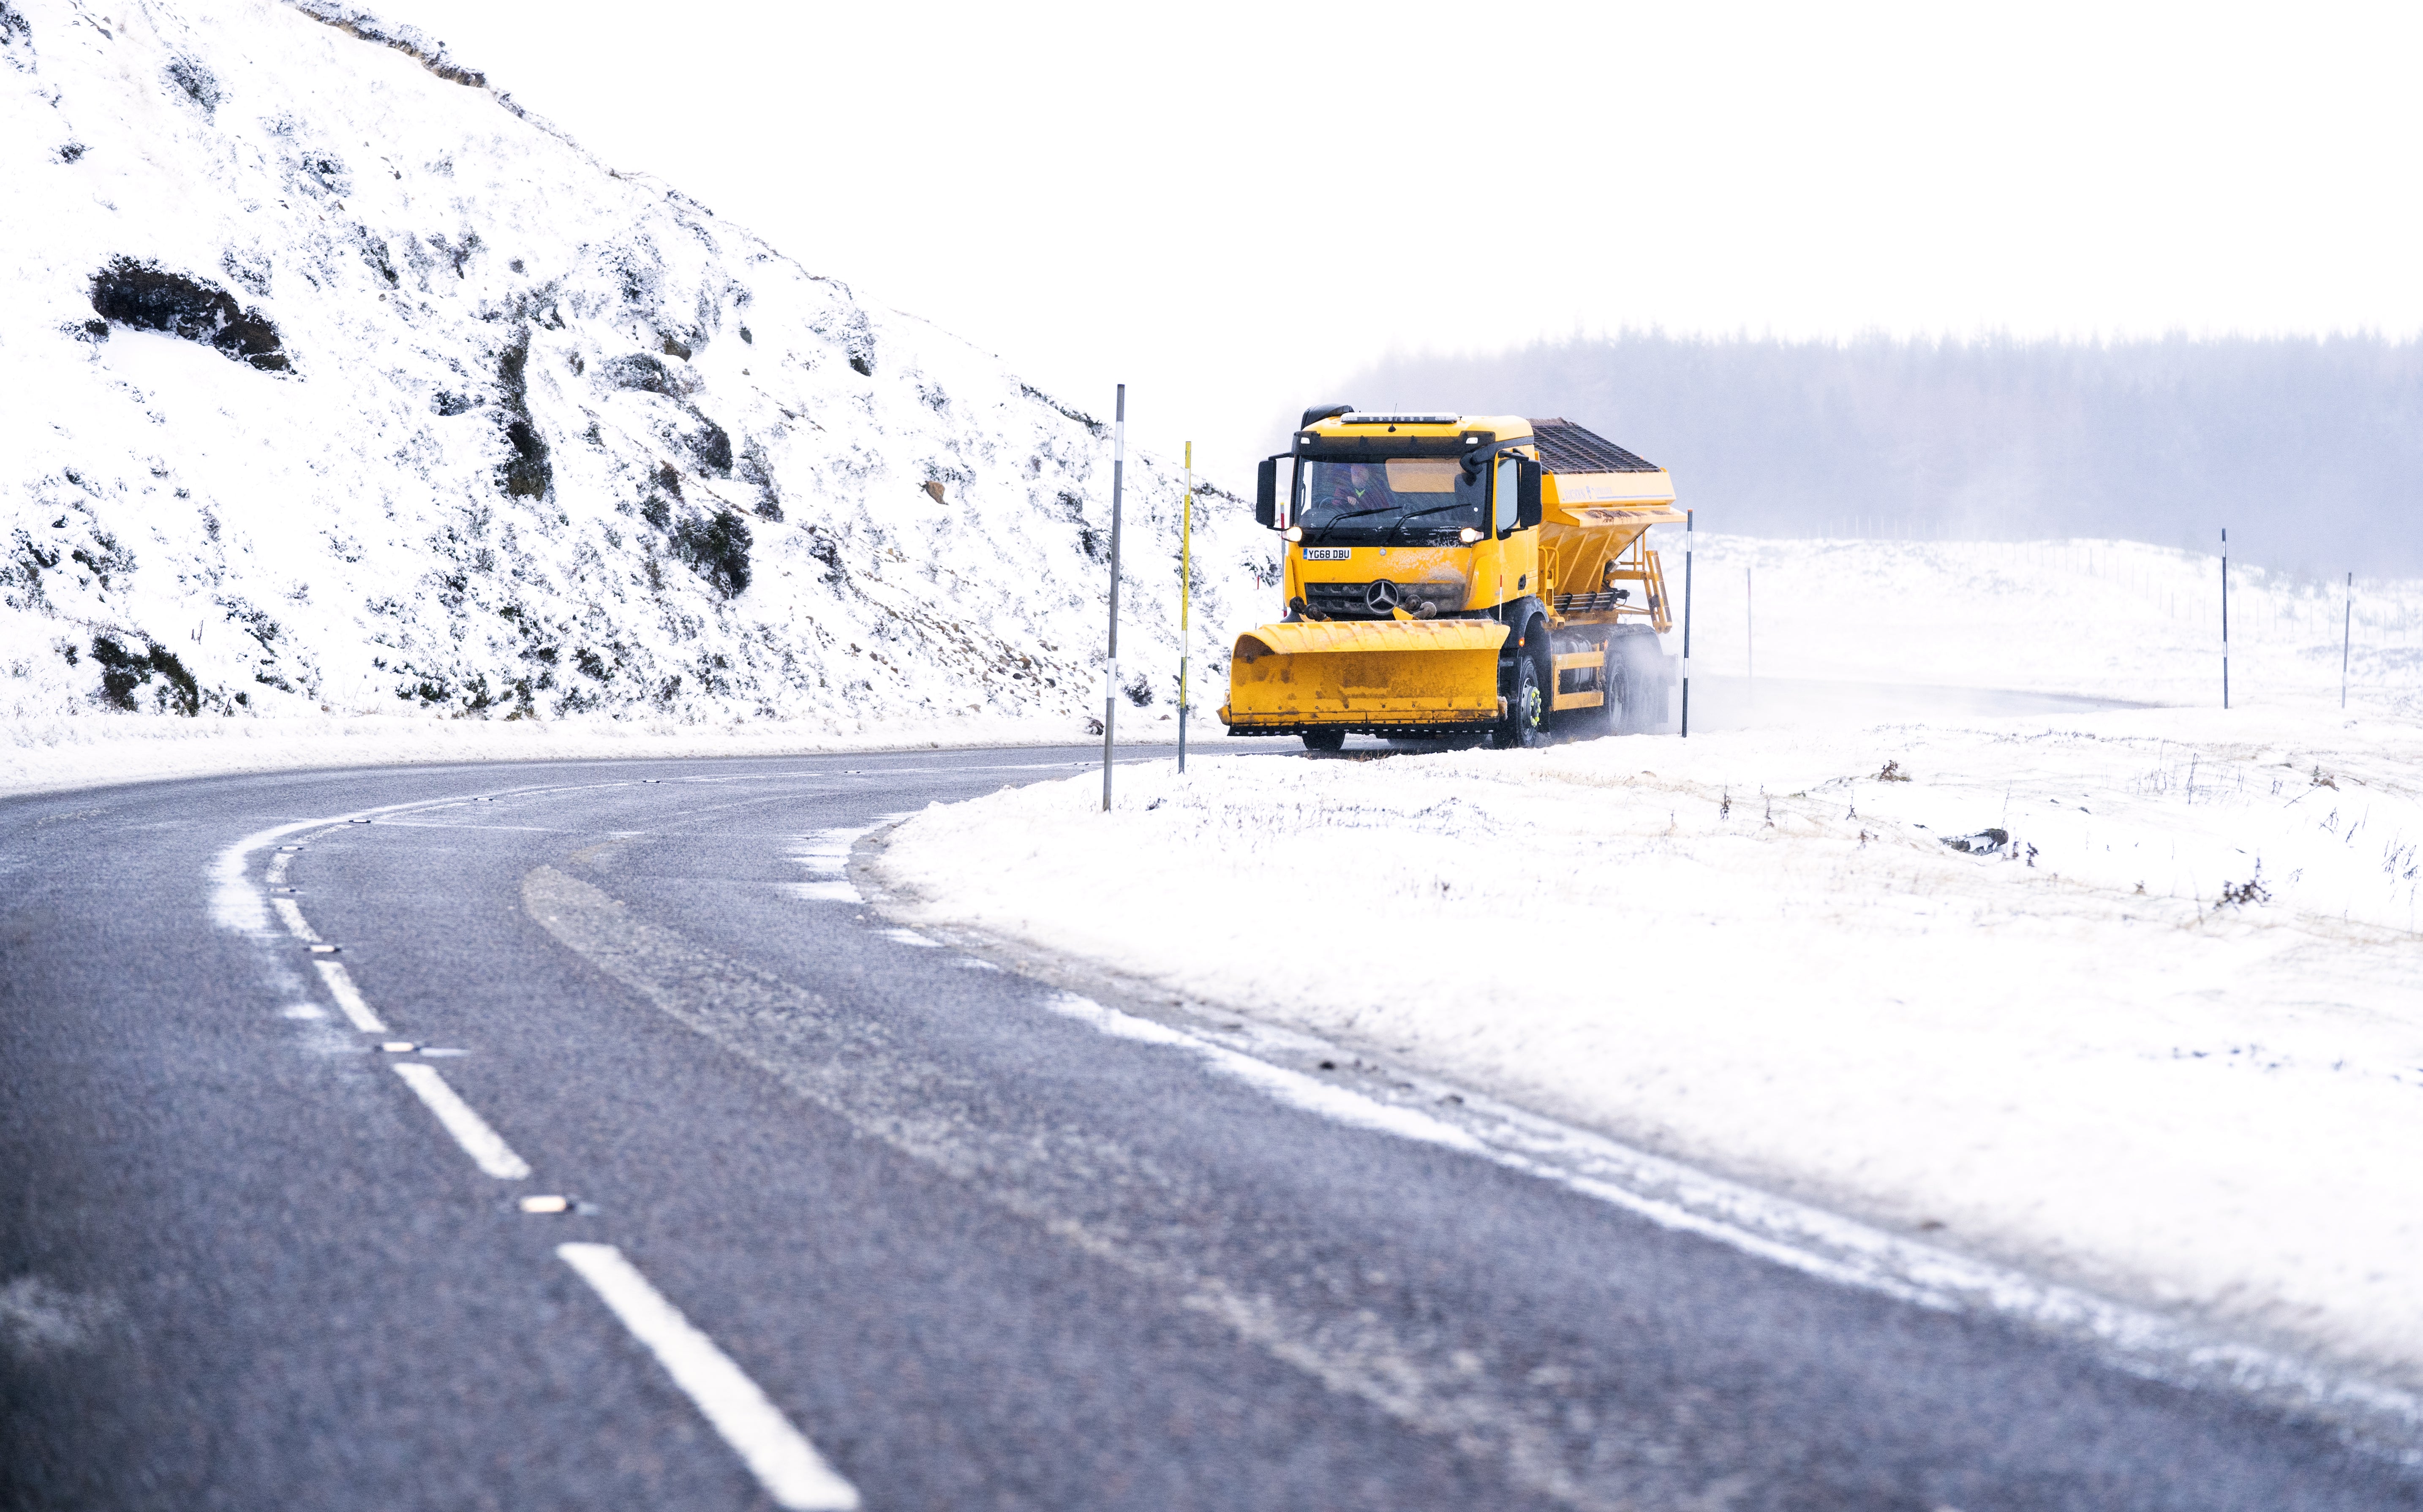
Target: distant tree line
{"x": 2309, "y": 450}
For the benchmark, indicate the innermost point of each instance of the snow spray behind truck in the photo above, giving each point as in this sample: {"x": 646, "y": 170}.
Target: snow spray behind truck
{"x": 1457, "y": 574}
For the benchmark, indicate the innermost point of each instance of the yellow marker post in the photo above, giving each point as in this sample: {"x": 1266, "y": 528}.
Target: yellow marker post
{"x": 1185, "y": 596}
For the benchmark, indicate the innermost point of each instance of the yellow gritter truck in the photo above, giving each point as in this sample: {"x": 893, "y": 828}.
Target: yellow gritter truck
{"x": 1457, "y": 576}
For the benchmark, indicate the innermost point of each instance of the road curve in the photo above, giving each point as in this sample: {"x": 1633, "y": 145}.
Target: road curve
{"x": 851, "y": 1218}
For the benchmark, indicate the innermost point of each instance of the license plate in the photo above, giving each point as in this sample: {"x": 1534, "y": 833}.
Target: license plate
{"x": 1328, "y": 553}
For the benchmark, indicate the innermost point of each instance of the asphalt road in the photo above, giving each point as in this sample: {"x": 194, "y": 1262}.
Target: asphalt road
{"x": 852, "y": 1217}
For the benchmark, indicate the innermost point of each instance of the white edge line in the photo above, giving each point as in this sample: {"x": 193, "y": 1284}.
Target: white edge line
{"x": 236, "y": 905}
{"x": 348, "y": 998}
{"x": 1867, "y": 1258}
{"x": 483, "y": 1144}
{"x": 782, "y": 1458}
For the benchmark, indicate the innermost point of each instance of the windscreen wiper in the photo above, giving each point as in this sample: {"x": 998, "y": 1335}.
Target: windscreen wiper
{"x": 1435, "y": 508}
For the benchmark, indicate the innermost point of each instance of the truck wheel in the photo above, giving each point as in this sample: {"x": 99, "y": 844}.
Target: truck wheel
{"x": 1616, "y": 689}
{"x": 1526, "y": 710}
{"x": 1645, "y": 674}
{"x": 1324, "y": 740}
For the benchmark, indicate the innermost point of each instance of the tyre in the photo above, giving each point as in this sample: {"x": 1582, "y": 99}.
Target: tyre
{"x": 1527, "y": 708}
{"x": 1645, "y": 675}
{"x": 1324, "y": 740}
{"x": 1616, "y": 690}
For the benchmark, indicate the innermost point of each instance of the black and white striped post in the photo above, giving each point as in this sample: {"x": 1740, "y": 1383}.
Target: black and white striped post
{"x": 2347, "y": 639}
{"x": 1686, "y": 622}
{"x": 1111, "y": 663}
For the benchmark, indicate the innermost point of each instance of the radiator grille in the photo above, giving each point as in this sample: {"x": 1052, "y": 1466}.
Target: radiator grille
{"x": 1352, "y": 601}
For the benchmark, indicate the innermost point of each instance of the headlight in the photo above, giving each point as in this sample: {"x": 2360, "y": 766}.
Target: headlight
{"x": 1295, "y": 532}
{"x": 1467, "y": 535}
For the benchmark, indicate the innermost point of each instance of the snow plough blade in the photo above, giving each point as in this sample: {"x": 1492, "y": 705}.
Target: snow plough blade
{"x": 1378, "y": 675}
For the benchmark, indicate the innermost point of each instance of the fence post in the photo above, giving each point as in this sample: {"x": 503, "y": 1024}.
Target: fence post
{"x": 1185, "y": 597}
{"x": 1686, "y": 622}
{"x": 1111, "y": 664}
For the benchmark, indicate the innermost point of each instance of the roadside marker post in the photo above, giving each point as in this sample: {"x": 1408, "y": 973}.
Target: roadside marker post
{"x": 1111, "y": 663}
{"x": 1185, "y": 597}
{"x": 1687, "y": 621}
{"x": 2224, "y": 618}
{"x": 2347, "y": 639}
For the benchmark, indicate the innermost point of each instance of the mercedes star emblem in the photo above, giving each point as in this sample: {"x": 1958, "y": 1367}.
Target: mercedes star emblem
{"x": 1381, "y": 597}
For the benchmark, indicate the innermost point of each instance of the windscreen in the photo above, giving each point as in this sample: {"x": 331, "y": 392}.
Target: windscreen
{"x": 1412, "y": 500}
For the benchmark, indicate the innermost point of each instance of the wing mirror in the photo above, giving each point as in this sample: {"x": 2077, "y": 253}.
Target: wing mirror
{"x": 1529, "y": 509}
{"x": 1266, "y": 494}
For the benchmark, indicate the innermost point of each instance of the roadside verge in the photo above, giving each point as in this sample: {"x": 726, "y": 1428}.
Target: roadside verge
{"x": 59, "y": 755}
{"x": 1754, "y": 955}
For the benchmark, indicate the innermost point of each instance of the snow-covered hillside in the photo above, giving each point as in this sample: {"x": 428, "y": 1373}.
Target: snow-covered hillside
{"x": 334, "y": 381}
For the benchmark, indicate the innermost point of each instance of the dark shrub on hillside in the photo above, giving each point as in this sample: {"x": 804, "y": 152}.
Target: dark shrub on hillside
{"x": 529, "y": 474}
{"x": 122, "y": 671}
{"x": 148, "y": 298}
{"x": 716, "y": 548}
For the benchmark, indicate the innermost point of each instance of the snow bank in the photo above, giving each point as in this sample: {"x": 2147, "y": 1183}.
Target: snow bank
{"x": 59, "y": 755}
{"x": 332, "y": 382}
{"x": 2162, "y": 1037}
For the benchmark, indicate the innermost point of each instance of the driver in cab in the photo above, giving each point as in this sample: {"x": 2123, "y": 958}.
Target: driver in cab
{"x": 1361, "y": 490}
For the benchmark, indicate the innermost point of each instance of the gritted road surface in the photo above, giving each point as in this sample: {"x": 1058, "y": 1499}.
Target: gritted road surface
{"x": 852, "y": 1218}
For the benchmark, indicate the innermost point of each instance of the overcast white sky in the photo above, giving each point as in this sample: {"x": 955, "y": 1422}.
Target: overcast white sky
{"x": 1234, "y": 207}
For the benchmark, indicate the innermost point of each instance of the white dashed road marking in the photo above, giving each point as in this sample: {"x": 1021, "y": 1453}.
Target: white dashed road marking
{"x": 289, "y": 913}
{"x": 348, "y": 998}
{"x": 783, "y": 1461}
{"x": 483, "y": 1144}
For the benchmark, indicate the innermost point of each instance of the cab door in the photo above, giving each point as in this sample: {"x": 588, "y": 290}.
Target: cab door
{"x": 1518, "y": 549}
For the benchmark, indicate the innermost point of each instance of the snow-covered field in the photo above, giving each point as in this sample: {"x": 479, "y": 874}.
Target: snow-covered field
{"x": 2166, "y": 1042}
{"x": 2163, "y": 1040}
{"x": 2113, "y": 619}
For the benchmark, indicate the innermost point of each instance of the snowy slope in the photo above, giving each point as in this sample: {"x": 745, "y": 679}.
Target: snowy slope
{"x": 336, "y": 382}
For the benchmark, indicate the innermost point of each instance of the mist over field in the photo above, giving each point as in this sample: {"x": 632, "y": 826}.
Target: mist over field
{"x": 2309, "y": 450}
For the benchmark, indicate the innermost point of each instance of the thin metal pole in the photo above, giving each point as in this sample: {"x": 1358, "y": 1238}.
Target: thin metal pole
{"x": 1686, "y": 622}
{"x": 2224, "y": 618}
{"x": 2347, "y": 639}
{"x": 1111, "y": 664}
{"x": 1749, "y": 634}
{"x": 1185, "y": 598}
